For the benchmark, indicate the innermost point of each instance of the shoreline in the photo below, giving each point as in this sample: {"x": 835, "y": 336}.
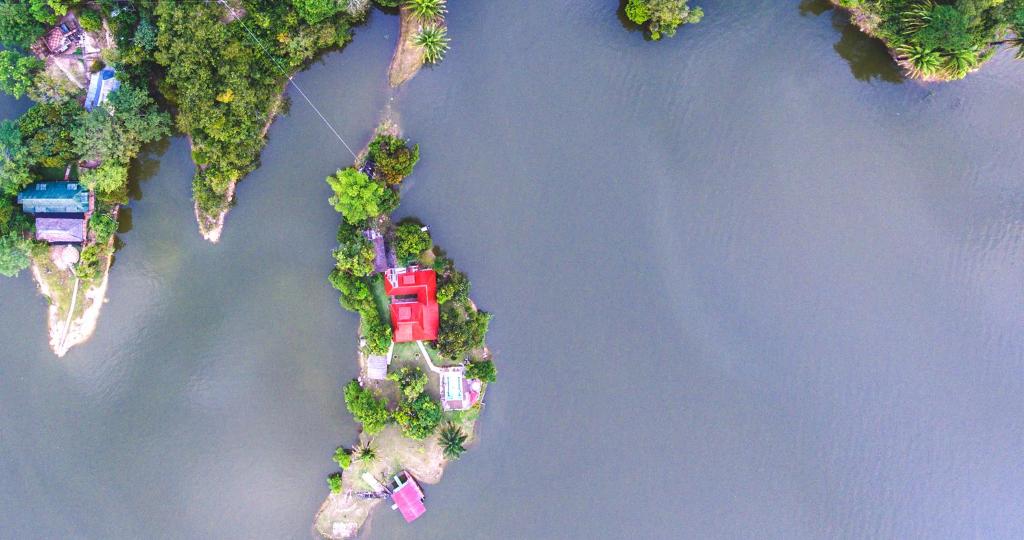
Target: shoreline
{"x": 347, "y": 510}
{"x": 81, "y": 328}
{"x": 862, "y": 20}
{"x": 210, "y": 227}
{"x": 407, "y": 59}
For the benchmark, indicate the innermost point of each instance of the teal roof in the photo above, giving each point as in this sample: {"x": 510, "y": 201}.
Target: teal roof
{"x": 55, "y": 198}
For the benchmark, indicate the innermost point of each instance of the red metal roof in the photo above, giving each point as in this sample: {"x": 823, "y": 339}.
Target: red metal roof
{"x": 409, "y": 500}
{"x": 414, "y": 313}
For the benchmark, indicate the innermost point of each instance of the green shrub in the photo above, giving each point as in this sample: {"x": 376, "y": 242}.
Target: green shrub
{"x": 103, "y": 226}
{"x": 366, "y": 408}
{"x": 334, "y": 482}
{"x": 14, "y": 254}
{"x": 410, "y": 380}
{"x": 483, "y": 370}
{"x": 342, "y": 457}
{"x": 410, "y": 241}
{"x": 358, "y": 197}
{"x": 90, "y": 20}
{"x": 420, "y": 417}
{"x": 458, "y": 335}
{"x": 434, "y": 40}
{"x": 393, "y": 158}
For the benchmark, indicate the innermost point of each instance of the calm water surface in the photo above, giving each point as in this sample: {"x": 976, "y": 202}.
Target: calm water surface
{"x": 747, "y": 284}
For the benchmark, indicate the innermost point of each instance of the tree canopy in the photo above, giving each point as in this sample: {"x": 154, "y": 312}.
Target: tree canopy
{"x": 662, "y": 17}
{"x": 358, "y": 197}
{"x": 17, "y": 72}
{"x": 114, "y": 133}
{"x": 366, "y": 408}
{"x": 939, "y": 39}
{"x": 410, "y": 240}
{"x": 225, "y": 86}
{"x": 392, "y": 157}
{"x": 460, "y": 334}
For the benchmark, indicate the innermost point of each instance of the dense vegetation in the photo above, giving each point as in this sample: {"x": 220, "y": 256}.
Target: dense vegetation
{"x": 225, "y": 84}
{"x": 366, "y": 408}
{"x": 56, "y": 132}
{"x": 662, "y": 17}
{"x": 939, "y": 39}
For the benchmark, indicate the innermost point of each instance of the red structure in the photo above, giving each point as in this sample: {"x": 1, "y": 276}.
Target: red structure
{"x": 407, "y": 497}
{"x": 413, "y": 292}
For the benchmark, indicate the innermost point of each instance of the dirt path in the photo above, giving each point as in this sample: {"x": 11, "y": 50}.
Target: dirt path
{"x": 408, "y": 57}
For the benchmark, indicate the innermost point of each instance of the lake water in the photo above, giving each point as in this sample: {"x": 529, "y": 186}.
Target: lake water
{"x": 747, "y": 284}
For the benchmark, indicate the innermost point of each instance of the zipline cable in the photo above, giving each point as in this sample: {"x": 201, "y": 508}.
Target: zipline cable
{"x": 290, "y": 79}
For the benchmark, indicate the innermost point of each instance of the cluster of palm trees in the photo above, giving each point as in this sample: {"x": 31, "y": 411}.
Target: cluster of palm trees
{"x": 432, "y": 35}
{"x": 924, "y": 60}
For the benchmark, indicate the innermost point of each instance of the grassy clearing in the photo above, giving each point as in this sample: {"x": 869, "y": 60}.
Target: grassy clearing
{"x": 381, "y": 298}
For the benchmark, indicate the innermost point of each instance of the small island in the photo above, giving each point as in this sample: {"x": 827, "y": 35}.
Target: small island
{"x": 662, "y": 17}
{"x": 939, "y": 41}
{"x": 424, "y": 364}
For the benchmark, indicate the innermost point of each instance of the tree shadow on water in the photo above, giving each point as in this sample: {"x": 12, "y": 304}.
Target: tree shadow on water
{"x": 145, "y": 166}
{"x": 624, "y": 20}
{"x": 867, "y": 57}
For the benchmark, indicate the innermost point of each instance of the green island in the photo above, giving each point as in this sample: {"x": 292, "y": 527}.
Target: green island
{"x": 424, "y": 363}
{"x": 109, "y": 78}
{"x": 931, "y": 40}
{"x": 662, "y": 17}
{"x": 935, "y": 40}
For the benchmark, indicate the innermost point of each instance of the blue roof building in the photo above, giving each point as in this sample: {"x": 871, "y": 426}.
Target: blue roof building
{"x": 101, "y": 84}
{"x": 55, "y": 198}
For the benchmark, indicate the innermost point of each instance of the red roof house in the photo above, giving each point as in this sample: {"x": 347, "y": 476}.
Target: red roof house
{"x": 407, "y": 496}
{"x": 414, "y": 314}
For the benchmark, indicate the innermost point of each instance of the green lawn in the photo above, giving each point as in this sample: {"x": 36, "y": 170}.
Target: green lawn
{"x": 380, "y": 298}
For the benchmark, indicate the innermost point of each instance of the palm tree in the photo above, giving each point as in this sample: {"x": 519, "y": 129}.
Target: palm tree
{"x": 451, "y": 440}
{"x": 365, "y": 453}
{"x": 434, "y": 40}
{"x": 923, "y": 62}
{"x": 960, "y": 63}
{"x": 426, "y": 10}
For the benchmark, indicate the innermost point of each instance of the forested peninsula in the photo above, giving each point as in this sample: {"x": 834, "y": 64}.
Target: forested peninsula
{"x": 109, "y": 77}
{"x": 934, "y": 40}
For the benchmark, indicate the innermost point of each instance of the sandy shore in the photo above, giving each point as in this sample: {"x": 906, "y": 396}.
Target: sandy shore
{"x": 408, "y": 57}
{"x": 82, "y": 327}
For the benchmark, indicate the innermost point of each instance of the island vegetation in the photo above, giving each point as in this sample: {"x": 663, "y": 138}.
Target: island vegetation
{"x": 937, "y": 40}
{"x": 662, "y": 17}
{"x": 221, "y": 67}
{"x": 58, "y": 139}
{"x": 407, "y": 424}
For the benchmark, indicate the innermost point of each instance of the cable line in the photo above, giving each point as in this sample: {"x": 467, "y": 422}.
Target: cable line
{"x": 290, "y": 79}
